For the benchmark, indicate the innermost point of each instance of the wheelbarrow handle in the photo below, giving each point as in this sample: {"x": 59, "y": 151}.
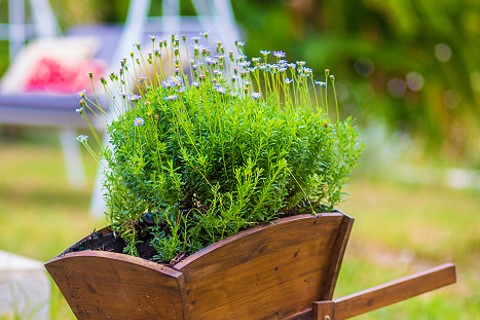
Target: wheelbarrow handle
{"x": 385, "y": 294}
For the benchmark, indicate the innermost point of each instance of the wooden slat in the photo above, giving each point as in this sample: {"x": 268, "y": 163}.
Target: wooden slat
{"x": 269, "y": 272}
{"x": 337, "y": 254}
{"x": 106, "y": 285}
{"x": 395, "y": 291}
{"x": 324, "y": 310}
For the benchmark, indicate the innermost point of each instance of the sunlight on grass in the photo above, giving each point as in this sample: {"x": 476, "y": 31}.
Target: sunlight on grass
{"x": 40, "y": 213}
{"x": 402, "y": 229}
{"x": 37, "y": 203}
{"x": 433, "y": 222}
{"x": 399, "y": 229}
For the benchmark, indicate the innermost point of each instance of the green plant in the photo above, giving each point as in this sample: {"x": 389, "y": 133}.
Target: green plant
{"x": 213, "y": 143}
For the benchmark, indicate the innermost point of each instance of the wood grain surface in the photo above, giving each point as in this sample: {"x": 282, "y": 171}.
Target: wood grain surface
{"x": 270, "y": 272}
{"x": 107, "y": 285}
{"x": 273, "y": 271}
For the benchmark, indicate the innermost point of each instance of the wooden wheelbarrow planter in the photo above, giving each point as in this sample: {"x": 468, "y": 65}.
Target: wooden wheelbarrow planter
{"x": 284, "y": 270}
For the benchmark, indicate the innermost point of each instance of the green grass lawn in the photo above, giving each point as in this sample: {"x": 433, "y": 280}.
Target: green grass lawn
{"x": 399, "y": 229}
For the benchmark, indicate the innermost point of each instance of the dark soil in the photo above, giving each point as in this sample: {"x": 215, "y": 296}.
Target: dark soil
{"x": 106, "y": 240}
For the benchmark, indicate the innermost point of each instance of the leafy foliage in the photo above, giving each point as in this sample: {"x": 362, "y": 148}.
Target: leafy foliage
{"x": 199, "y": 155}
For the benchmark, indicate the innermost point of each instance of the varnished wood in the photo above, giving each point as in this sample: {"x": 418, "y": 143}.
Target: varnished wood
{"x": 106, "y": 285}
{"x": 273, "y": 271}
{"x": 270, "y": 272}
{"x": 324, "y": 310}
{"x": 387, "y": 294}
{"x": 337, "y": 254}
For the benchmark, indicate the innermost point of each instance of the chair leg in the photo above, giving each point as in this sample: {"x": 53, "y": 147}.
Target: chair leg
{"x": 73, "y": 158}
{"x": 97, "y": 204}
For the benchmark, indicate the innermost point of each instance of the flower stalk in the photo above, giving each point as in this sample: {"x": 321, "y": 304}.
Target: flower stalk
{"x": 207, "y": 143}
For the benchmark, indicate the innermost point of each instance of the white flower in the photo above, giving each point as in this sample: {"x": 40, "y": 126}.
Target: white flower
{"x": 137, "y": 122}
{"x": 82, "y": 138}
{"x": 256, "y": 95}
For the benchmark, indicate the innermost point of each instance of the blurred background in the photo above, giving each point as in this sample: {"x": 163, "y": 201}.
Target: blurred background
{"x": 409, "y": 67}
{"x": 407, "y": 70}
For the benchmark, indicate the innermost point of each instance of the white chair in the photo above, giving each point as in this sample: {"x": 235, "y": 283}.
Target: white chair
{"x": 58, "y": 110}
{"x": 34, "y": 42}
